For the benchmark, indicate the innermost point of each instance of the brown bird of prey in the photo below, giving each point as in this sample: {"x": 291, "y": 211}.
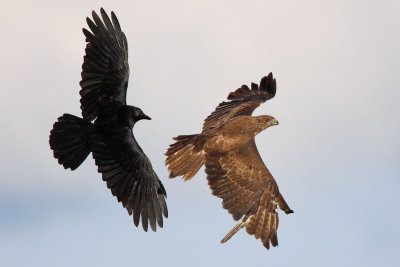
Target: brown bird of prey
{"x": 235, "y": 171}
{"x": 119, "y": 158}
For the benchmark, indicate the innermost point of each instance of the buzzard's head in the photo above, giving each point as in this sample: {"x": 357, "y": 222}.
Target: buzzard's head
{"x": 129, "y": 115}
{"x": 265, "y": 121}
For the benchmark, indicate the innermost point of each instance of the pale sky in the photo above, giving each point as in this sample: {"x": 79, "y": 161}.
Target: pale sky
{"x": 335, "y": 154}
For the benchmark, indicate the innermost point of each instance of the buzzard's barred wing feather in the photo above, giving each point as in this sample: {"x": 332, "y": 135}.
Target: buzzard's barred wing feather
{"x": 129, "y": 175}
{"x": 105, "y": 70}
{"x": 243, "y": 102}
{"x": 247, "y": 188}
{"x": 267, "y": 89}
{"x": 264, "y": 224}
{"x": 239, "y": 172}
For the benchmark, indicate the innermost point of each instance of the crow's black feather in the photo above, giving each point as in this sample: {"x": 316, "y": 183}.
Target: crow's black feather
{"x": 106, "y": 126}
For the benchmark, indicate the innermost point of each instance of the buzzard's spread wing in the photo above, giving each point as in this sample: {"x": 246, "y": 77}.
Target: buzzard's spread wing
{"x": 243, "y": 102}
{"x": 247, "y": 188}
{"x": 131, "y": 178}
{"x": 105, "y": 70}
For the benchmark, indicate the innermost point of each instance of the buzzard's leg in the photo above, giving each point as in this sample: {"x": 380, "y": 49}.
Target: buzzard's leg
{"x": 283, "y": 205}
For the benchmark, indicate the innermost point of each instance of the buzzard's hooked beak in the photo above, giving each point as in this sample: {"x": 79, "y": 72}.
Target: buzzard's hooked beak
{"x": 275, "y": 122}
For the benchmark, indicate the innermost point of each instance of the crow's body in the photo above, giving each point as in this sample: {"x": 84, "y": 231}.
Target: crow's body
{"x": 123, "y": 164}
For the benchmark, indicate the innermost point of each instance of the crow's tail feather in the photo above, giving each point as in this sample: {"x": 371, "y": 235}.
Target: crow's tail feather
{"x": 69, "y": 140}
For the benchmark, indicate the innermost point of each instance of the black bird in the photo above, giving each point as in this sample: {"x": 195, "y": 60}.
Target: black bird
{"x": 122, "y": 163}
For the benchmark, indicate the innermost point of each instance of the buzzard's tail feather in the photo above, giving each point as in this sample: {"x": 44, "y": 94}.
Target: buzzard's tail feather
{"x": 69, "y": 140}
{"x": 186, "y": 156}
{"x": 235, "y": 229}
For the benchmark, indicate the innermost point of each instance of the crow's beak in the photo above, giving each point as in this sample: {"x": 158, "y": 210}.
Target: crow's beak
{"x": 144, "y": 117}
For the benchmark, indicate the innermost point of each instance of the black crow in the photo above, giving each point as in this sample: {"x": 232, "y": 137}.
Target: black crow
{"x": 120, "y": 160}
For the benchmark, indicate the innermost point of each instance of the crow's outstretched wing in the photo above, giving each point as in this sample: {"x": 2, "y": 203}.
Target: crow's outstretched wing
{"x": 243, "y": 102}
{"x": 130, "y": 176}
{"x": 105, "y": 70}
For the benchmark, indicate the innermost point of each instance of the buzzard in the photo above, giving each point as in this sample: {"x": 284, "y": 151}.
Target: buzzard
{"x": 234, "y": 168}
{"x": 105, "y": 128}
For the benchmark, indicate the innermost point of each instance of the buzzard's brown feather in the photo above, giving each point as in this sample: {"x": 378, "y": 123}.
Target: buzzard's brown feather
{"x": 264, "y": 223}
{"x": 234, "y": 168}
{"x": 186, "y": 156}
{"x": 244, "y": 102}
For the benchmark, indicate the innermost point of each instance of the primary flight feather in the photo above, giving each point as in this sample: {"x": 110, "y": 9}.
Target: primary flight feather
{"x": 105, "y": 129}
{"x": 235, "y": 171}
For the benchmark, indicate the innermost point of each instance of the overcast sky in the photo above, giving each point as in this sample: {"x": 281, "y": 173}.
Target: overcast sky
{"x": 335, "y": 153}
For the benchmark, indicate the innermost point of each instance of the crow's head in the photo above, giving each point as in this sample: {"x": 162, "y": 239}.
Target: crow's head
{"x": 129, "y": 115}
